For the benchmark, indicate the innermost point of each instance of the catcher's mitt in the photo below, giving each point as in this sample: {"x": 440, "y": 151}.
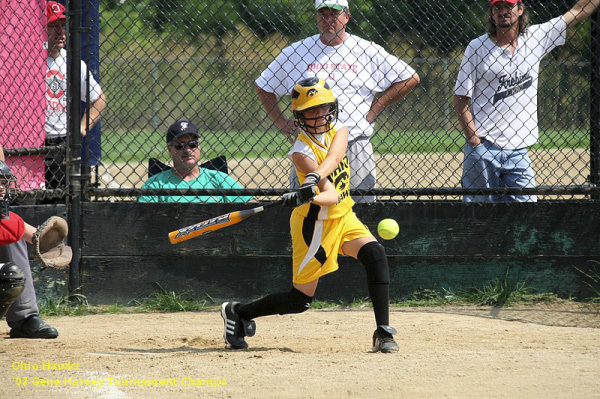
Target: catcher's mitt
{"x": 49, "y": 244}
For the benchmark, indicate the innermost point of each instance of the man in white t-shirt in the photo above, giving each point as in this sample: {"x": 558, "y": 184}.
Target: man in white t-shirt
{"x": 499, "y": 78}
{"x": 357, "y": 70}
{"x": 56, "y": 95}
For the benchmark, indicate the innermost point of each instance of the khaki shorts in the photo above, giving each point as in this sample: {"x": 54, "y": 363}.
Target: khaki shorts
{"x": 317, "y": 243}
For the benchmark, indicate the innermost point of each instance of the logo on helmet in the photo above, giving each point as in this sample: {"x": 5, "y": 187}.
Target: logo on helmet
{"x": 311, "y": 93}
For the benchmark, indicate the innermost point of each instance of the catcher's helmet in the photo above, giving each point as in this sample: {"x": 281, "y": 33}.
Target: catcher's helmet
{"x": 310, "y": 93}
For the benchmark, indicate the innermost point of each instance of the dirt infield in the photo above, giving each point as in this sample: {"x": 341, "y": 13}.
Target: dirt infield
{"x": 459, "y": 352}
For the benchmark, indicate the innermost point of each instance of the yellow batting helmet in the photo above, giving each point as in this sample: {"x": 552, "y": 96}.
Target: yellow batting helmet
{"x": 313, "y": 92}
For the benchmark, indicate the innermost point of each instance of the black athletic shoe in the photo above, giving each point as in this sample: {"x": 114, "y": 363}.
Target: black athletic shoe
{"x": 383, "y": 340}
{"x": 34, "y": 327}
{"x": 236, "y": 328}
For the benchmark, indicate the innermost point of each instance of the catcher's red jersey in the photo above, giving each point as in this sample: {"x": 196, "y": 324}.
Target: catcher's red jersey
{"x": 11, "y": 229}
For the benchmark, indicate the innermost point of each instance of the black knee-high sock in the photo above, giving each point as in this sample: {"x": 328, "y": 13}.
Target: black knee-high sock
{"x": 292, "y": 301}
{"x": 372, "y": 256}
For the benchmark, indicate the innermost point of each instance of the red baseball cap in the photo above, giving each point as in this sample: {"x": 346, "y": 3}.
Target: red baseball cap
{"x": 55, "y": 11}
{"x": 492, "y": 2}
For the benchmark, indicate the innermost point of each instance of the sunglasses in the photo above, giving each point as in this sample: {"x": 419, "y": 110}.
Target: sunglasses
{"x": 180, "y": 145}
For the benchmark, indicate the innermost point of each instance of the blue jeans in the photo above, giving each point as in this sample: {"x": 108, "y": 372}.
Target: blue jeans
{"x": 488, "y": 166}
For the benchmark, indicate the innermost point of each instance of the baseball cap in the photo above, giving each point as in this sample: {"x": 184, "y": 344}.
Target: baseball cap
{"x": 492, "y": 2}
{"x": 335, "y": 4}
{"x": 180, "y": 128}
{"x": 55, "y": 11}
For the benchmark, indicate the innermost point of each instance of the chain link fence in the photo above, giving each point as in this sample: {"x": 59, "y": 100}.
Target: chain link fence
{"x": 157, "y": 62}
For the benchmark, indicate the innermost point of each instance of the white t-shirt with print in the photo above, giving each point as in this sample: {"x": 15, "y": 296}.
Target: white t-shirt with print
{"x": 56, "y": 94}
{"x": 503, "y": 86}
{"x": 356, "y": 70}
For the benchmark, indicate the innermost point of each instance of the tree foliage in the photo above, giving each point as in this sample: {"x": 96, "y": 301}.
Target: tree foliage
{"x": 288, "y": 17}
{"x": 440, "y": 26}
{"x": 164, "y": 57}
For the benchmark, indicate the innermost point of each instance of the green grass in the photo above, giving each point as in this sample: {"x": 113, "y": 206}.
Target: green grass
{"x": 171, "y": 301}
{"x": 499, "y": 292}
{"x": 593, "y": 280}
{"x": 161, "y": 300}
{"x": 429, "y": 297}
{"x": 127, "y": 146}
{"x": 75, "y": 305}
{"x": 355, "y": 303}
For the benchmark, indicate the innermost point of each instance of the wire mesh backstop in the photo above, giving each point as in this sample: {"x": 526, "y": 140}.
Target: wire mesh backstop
{"x": 157, "y": 62}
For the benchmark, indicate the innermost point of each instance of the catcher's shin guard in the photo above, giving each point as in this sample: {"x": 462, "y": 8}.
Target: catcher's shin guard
{"x": 12, "y": 284}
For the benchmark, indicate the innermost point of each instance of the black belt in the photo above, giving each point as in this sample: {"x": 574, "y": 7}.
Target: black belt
{"x": 55, "y": 141}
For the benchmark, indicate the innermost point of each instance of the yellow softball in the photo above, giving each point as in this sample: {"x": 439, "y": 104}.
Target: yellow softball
{"x": 388, "y": 229}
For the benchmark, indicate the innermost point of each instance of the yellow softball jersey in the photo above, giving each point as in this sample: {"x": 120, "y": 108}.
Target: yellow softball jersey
{"x": 316, "y": 148}
{"x": 319, "y": 232}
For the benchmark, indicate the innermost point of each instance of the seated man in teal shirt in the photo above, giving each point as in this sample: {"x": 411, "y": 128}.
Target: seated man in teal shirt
{"x": 184, "y": 148}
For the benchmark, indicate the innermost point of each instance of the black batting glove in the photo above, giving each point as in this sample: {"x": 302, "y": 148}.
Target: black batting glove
{"x": 299, "y": 197}
{"x": 312, "y": 179}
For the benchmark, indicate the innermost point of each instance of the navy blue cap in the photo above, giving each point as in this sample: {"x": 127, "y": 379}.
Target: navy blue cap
{"x": 180, "y": 128}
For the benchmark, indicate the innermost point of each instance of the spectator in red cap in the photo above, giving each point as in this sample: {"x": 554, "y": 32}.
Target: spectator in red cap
{"x": 495, "y": 96}
{"x": 56, "y": 94}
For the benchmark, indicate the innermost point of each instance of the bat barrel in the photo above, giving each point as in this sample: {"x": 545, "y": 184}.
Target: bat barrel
{"x": 216, "y": 223}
